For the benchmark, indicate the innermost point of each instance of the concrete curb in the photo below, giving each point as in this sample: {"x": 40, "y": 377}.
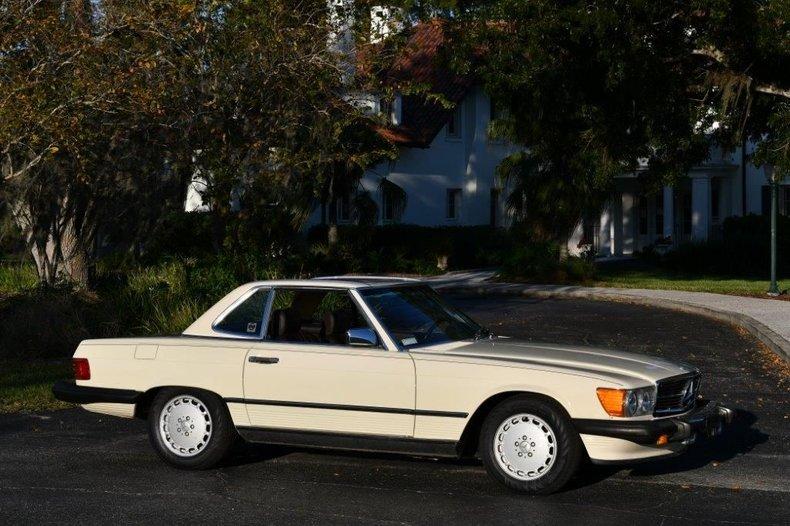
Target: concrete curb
{"x": 771, "y": 339}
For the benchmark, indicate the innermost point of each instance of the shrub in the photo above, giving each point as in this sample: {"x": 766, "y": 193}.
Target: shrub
{"x": 743, "y": 251}
{"x": 540, "y": 262}
{"x": 408, "y": 248}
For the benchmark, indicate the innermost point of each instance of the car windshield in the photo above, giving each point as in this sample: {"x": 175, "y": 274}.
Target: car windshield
{"x": 417, "y": 316}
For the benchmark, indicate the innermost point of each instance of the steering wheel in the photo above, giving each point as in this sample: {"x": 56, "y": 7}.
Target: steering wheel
{"x": 430, "y": 330}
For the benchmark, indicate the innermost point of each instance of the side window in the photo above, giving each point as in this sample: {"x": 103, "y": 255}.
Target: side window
{"x": 313, "y": 316}
{"x": 247, "y": 317}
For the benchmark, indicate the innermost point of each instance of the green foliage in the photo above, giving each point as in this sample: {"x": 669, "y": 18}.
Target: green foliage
{"x": 17, "y": 278}
{"x": 26, "y": 385}
{"x": 656, "y": 277}
{"x": 407, "y": 249}
{"x": 159, "y": 299}
{"x": 743, "y": 250}
{"x": 595, "y": 89}
{"x": 591, "y": 89}
{"x": 109, "y": 109}
{"x": 541, "y": 263}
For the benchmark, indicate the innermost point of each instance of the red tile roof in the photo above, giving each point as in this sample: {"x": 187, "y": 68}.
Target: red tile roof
{"x": 419, "y": 65}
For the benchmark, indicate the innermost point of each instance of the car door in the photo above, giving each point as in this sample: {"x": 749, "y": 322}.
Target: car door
{"x": 305, "y": 376}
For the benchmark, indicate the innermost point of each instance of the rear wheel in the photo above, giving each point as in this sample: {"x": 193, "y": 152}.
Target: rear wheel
{"x": 529, "y": 444}
{"x": 190, "y": 428}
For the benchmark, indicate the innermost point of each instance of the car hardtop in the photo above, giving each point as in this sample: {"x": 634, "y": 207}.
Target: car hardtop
{"x": 339, "y": 282}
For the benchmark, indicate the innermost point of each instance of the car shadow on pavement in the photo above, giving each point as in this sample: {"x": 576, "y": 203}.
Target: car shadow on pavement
{"x": 251, "y": 453}
{"x": 738, "y": 438}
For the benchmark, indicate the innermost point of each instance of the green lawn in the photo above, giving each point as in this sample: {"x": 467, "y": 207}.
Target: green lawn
{"x": 662, "y": 279}
{"x": 27, "y": 385}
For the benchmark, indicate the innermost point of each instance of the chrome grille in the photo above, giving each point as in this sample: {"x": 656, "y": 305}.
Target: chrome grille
{"x": 676, "y": 394}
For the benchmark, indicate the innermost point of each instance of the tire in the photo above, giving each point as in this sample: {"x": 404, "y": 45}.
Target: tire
{"x": 529, "y": 444}
{"x": 190, "y": 428}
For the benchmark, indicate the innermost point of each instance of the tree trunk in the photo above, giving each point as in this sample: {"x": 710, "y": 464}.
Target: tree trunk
{"x": 331, "y": 234}
{"x": 563, "y": 251}
{"x": 63, "y": 259}
{"x": 59, "y": 252}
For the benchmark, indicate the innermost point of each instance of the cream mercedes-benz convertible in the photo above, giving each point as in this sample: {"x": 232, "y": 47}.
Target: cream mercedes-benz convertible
{"x": 383, "y": 364}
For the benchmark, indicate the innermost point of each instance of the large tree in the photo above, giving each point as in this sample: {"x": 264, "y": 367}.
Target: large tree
{"x": 109, "y": 108}
{"x": 594, "y": 89}
{"x": 83, "y": 134}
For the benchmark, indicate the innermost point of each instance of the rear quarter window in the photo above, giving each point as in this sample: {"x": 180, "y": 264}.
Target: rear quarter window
{"x": 247, "y": 317}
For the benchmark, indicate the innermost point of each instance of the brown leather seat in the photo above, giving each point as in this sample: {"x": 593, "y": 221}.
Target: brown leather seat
{"x": 285, "y": 325}
{"x": 334, "y": 328}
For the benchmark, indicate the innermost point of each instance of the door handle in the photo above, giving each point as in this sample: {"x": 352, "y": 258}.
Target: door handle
{"x": 263, "y": 359}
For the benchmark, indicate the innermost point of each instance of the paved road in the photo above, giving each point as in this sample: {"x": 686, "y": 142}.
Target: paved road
{"x": 72, "y": 466}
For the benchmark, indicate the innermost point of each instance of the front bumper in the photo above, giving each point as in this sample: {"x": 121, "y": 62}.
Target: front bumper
{"x": 707, "y": 419}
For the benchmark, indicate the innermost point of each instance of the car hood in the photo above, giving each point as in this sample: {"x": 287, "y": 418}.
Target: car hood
{"x": 621, "y": 366}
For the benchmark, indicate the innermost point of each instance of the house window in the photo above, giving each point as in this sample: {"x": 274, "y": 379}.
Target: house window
{"x": 393, "y": 201}
{"x": 642, "y": 218}
{"x": 591, "y": 229}
{"x": 493, "y": 211}
{"x": 453, "y": 202}
{"x": 454, "y": 124}
{"x": 659, "y": 226}
{"x": 388, "y": 206}
{"x": 714, "y": 202}
{"x": 344, "y": 208}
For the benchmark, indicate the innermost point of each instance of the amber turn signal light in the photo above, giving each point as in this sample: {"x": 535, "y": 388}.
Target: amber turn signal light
{"x": 662, "y": 440}
{"x": 611, "y": 400}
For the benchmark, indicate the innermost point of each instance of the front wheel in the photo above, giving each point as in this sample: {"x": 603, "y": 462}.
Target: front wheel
{"x": 530, "y": 445}
{"x": 190, "y": 428}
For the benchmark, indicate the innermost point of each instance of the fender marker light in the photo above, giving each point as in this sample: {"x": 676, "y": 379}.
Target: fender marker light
{"x": 611, "y": 400}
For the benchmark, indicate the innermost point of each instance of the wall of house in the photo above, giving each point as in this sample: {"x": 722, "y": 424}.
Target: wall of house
{"x": 467, "y": 162}
{"x": 693, "y": 210}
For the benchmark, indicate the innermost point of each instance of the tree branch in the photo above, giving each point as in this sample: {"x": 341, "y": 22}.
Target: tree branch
{"x": 720, "y": 58}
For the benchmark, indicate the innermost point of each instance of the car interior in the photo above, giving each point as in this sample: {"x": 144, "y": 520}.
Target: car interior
{"x": 313, "y": 316}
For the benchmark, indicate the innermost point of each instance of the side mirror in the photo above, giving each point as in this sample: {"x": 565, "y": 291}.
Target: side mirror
{"x": 362, "y": 337}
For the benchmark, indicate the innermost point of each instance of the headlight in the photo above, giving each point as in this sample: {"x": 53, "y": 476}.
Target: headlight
{"x": 627, "y": 402}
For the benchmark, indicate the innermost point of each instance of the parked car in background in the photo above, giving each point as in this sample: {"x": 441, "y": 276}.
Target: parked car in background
{"x": 383, "y": 364}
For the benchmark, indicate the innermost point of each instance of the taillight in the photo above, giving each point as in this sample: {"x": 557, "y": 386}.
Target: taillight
{"x": 82, "y": 369}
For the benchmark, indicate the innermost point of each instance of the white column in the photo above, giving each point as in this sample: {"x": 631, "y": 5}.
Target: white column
{"x": 616, "y": 224}
{"x": 669, "y": 212}
{"x": 700, "y": 208}
{"x": 605, "y": 232}
{"x": 629, "y": 222}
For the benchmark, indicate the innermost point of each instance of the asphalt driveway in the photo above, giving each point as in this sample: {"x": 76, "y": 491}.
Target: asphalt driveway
{"x": 73, "y": 466}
